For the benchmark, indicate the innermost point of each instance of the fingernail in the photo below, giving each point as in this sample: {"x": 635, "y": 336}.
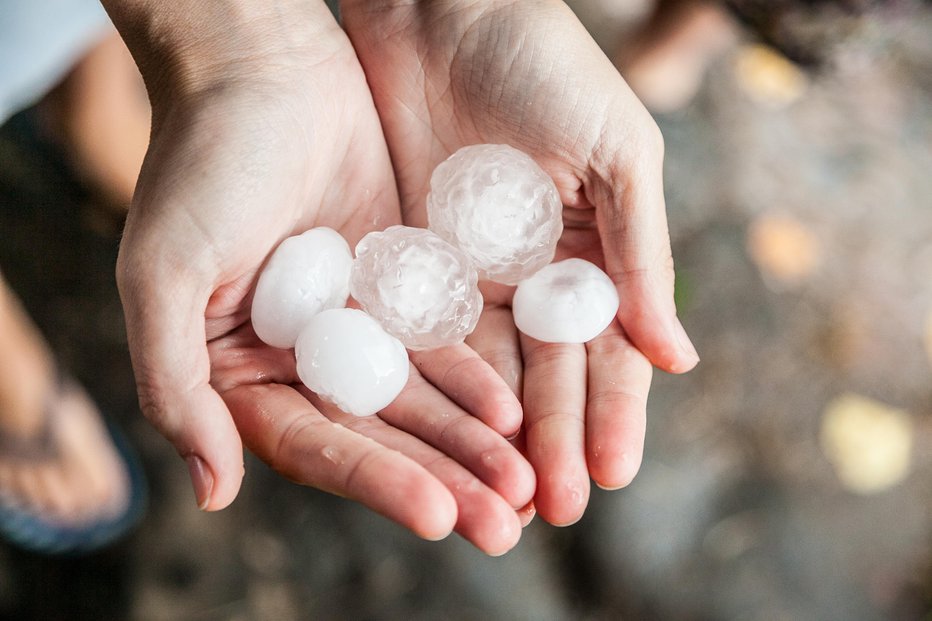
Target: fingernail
{"x": 526, "y": 513}
{"x": 202, "y": 480}
{"x": 686, "y": 345}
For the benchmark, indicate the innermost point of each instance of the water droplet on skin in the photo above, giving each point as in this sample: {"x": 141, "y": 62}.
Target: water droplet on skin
{"x": 333, "y": 455}
{"x": 576, "y": 495}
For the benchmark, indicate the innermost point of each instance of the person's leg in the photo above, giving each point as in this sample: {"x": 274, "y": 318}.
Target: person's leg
{"x": 100, "y": 115}
{"x": 57, "y": 460}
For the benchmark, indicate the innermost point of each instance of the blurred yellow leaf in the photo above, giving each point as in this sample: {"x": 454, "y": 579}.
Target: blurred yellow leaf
{"x": 768, "y": 77}
{"x": 783, "y": 248}
{"x": 868, "y": 443}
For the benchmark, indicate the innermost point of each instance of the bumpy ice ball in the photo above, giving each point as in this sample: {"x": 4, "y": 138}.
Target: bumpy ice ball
{"x": 569, "y": 301}
{"x": 420, "y": 288}
{"x": 306, "y": 274}
{"x": 498, "y": 206}
{"x": 348, "y": 359}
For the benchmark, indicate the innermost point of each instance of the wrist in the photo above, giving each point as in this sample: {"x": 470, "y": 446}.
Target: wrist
{"x": 188, "y": 46}
{"x": 443, "y": 21}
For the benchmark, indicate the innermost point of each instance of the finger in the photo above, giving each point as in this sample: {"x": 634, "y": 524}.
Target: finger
{"x": 554, "y": 411}
{"x": 428, "y": 414}
{"x": 283, "y": 429}
{"x": 459, "y": 373}
{"x": 167, "y": 342}
{"x": 484, "y": 518}
{"x": 526, "y": 513}
{"x": 631, "y": 216}
{"x": 619, "y": 381}
{"x": 495, "y": 339}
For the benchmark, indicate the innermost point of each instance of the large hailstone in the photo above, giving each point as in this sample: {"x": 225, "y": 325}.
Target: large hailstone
{"x": 421, "y": 289}
{"x": 348, "y": 359}
{"x": 498, "y": 206}
{"x": 306, "y": 274}
{"x": 569, "y": 301}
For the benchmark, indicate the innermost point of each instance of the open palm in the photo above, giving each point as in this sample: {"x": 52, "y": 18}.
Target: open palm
{"x": 231, "y": 171}
{"x": 445, "y": 74}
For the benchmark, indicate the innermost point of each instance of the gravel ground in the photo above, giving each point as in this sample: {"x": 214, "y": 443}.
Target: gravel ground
{"x": 803, "y": 236}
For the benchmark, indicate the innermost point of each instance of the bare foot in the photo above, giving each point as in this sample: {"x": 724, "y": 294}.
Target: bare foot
{"x": 666, "y": 63}
{"x": 57, "y": 460}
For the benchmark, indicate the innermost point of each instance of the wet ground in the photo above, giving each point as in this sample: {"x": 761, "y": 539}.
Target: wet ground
{"x": 787, "y": 477}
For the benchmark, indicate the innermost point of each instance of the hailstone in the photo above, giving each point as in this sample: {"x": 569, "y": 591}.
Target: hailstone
{"x": 569, "y": 301}
{"x": 421, "y": 289}
{"x": 498, "y": 206}
{"x": 348, "y": 359}
{"x": 306, "y": 274}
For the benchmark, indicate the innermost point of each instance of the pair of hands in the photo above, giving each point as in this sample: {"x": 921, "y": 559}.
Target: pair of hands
{"x": 280, "y": 123}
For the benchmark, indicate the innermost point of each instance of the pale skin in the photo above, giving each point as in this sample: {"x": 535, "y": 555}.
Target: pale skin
{"x": 244, "y": 152}
{"x": 445, "y": 74}
{"x": 82, "y": 481}
{"x": 264, "y": 126}
{"x": 78, "y": 478}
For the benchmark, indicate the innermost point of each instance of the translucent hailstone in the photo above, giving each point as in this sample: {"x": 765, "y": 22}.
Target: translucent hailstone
{"x": 498, "y": 206}
{"x": 569, "y": 301}
{"x": 348, "y": 359}
{"x": 306, "y": 274}
{"x": 420, "y": 288}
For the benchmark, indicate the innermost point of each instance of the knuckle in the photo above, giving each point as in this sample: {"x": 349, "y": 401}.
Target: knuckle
{"x": 352, "y": 480}
{"x": 553, "y": 418}
{"x": 502, "y": 358}
{"x": 548, "y": 355}
{"x": 290, "y": 438}
{"x": 456, "y": 429}
{"x": 617, "y": 401}
{"x": 611, "y": 347}
{"x": 460, "y": 370}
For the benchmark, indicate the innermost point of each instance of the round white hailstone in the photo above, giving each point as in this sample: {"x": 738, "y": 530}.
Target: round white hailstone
{"x": 348, "y": 359}
{"x": 421, "y": 289}
{"x": 498, "y": 206}
{"x": 306, "y": 274}
{"x": 569, "y": 301}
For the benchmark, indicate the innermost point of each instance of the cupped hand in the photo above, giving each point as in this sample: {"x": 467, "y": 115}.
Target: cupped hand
{"x": 448, "y": 73}
{"x": 255, "y": 148}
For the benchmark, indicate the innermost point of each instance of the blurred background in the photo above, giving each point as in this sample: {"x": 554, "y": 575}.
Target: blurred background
{"x": 787, "y": 477}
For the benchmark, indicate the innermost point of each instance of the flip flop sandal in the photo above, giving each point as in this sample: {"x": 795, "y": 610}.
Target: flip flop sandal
{"x": 30, "y": 531}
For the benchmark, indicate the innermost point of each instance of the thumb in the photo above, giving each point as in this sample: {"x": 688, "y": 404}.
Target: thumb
{"x": 632, "y": 223}
{"x": 166, "y": 333}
